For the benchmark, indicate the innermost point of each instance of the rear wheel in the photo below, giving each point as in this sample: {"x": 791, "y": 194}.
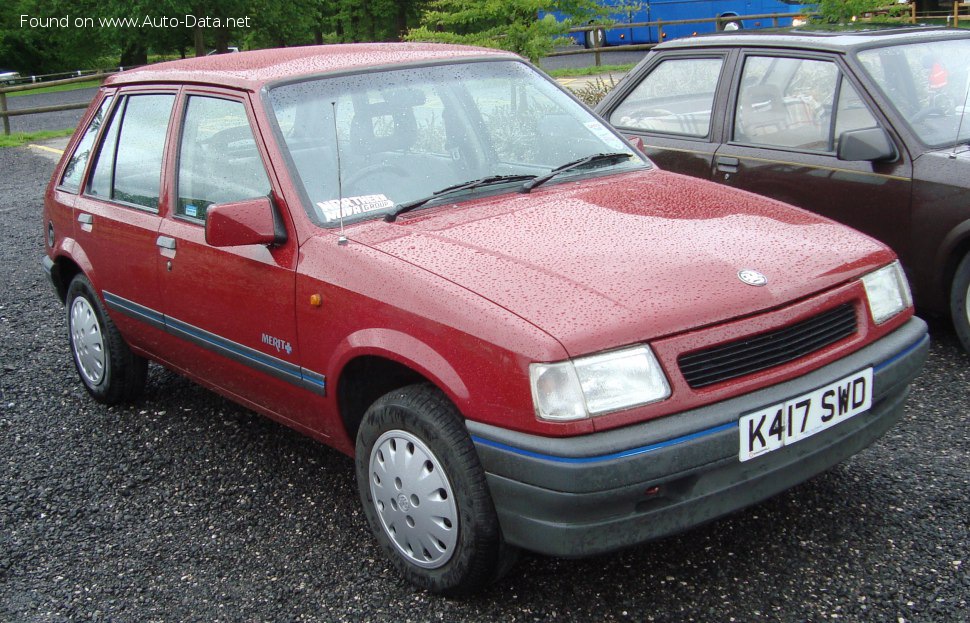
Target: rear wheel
{"x": 595, "y": 38}
{"x": 960, "y": 302}
{"x": 110, "y": 372}
{"x": 732, "y": 26}
{"x": 424, "y": 493}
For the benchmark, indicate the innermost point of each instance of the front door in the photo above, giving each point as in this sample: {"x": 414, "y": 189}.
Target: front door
{"x": 788, "y": 115}
{"x": 231, "y": 307}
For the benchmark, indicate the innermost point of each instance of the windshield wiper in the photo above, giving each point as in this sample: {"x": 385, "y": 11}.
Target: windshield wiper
{"x": 400, "y": 209}
{"x": 607, "y": 158}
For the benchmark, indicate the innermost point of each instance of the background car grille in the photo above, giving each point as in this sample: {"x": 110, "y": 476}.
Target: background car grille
{"x": 766, "y": 350}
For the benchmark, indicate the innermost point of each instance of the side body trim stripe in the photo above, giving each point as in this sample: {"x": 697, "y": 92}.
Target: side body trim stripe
{"x": 284, "y": 370}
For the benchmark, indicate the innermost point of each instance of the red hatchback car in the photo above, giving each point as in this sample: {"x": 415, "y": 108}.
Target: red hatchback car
{"x": 434, "y": 259}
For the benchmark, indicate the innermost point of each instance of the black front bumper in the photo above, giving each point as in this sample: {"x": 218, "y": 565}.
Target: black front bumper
{"x": 601, "y": 492}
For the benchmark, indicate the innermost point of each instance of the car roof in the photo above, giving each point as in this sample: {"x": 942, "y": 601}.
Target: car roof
{"x": 251, "y": 70}
{"x": 829, "y": 39}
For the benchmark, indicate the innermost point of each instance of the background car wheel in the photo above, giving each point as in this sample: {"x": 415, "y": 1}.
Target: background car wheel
{"x": 732, "y": 26}
{"x": 595, "y": 38}
{"x": 424, "y": 493}
{"x": 960, "y": 302}
{"x": 109, "y": 370}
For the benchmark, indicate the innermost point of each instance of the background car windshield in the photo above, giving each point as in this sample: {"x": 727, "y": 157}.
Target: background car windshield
{"x": 405, "y": 134}
{"x": 927, "y": 83}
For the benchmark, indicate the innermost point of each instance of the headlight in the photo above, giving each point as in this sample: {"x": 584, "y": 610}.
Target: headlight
{"x": 887, "y": 291}
{"x": 598, "y": 384}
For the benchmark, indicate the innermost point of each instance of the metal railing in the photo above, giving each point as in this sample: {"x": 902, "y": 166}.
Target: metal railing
{"x": 6, "y": 114}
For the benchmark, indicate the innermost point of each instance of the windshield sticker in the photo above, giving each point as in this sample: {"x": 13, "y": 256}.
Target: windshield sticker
{"x": 354, "y": 205}
{"x": 604, "y": 135}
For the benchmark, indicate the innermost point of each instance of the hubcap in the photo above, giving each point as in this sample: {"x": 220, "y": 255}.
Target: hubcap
{"x": 414, "y": 499}
{"x": 87, "y": 341}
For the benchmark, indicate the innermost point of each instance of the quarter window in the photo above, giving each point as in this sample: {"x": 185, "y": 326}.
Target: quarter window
{"x": 218, "y": 158}
{"x": 129, "y": 166}
{"x": 675, "y": 98}
{"x": 82, "y": 153}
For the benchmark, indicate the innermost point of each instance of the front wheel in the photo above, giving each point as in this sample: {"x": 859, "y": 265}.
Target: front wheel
{"x": 424, "y": 493}
{"x": 960, "y": 302}
{"x": 111, "y": 373}
{"x": 595, "y": 38}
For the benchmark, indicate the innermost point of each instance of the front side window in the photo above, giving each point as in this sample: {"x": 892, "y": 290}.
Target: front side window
{"x": 218, "y": 158}
{"x": 928, "y": 84}
{"x": 403, "y": 135}
{"x": 675, "y": 98}
{"x": 82, "y": 153}
{"x": 129, "y": 165}
{"x": 786, "y": 102}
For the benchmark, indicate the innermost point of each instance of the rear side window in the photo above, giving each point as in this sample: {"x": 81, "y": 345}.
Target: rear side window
{"x": 129, "y": 165}
{"x": 82, "y": 153}
{"x": 675, "y": 98}
{"x": 218, "y": 158}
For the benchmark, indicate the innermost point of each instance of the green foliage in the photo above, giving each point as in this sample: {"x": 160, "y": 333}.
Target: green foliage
{"x": 841, "y": 11}
{"x": 512, "y": 25}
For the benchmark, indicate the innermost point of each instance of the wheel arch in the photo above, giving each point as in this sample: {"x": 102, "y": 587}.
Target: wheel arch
{"x": 383, "y": 361}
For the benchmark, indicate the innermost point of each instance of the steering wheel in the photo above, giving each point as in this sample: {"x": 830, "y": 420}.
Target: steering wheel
{"x": 359, "y": 176}
{"x": 929, "y": 111}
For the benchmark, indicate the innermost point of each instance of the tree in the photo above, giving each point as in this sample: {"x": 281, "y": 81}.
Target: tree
{"x": 841, "y": 11}
{"x": 512, "y": 25}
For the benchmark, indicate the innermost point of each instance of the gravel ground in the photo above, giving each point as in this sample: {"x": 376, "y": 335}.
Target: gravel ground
{"x": 187, "y": 507}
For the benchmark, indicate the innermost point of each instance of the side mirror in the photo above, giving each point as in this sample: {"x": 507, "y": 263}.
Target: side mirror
{"x": 870, "y": 144}
{"x": 240, "y": 223}
{"x": 636, "y": 140}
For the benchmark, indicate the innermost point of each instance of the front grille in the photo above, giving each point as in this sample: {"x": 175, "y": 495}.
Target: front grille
{"x": 734, "y": 359}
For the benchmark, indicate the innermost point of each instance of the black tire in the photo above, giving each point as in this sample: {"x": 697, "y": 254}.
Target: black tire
{"x": 106, "y": 366}
{"x": 595, "y": 38}
{"x": 960, "y": 302}
{"x": 731, "y": 26}
{"x": 419, "y": 422}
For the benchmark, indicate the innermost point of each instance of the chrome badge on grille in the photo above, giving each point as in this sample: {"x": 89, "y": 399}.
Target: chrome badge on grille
{"x": 752, "y": 277}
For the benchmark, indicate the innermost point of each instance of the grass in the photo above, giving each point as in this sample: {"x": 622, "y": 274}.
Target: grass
{"x": 22, "y": 138}
{"x": 570, "y": 72}
{"x": 87, "y": 84}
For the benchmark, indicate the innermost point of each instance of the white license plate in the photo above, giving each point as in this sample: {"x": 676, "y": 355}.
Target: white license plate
{"x": 791, "y": 421}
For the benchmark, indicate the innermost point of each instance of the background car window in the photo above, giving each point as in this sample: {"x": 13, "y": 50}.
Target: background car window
{"x": 218, "y": 158}
{"x": 786, "y": 102}
{"x": 851, "y": 112}
{"x": 675, "y": 98}
{"x": 927, "y": 83}
{"x": 79, "y": 159}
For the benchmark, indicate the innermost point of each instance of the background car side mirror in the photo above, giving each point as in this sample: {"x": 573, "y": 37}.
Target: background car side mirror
{"x": 252, "y": 221}
{"x": 870, "y": 144}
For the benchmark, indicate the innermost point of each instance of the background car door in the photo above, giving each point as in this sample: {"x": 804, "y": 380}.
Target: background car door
{"x": 117, "y": 215}
{"x": 675, "y": 104}
{"x": 787, "y": 114}
{"x": 231, "y": 307}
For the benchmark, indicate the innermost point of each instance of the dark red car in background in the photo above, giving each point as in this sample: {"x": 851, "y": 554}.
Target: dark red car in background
{"x": 434, "y": 259}
{"x": 868, "y": 127}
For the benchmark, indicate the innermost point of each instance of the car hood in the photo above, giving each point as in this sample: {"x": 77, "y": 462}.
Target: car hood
{"x": 626, "y": 258}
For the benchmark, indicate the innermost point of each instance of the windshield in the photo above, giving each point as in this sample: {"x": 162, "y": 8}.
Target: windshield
{"x": 927, "y": 84}
{"x": 404, "y": 135}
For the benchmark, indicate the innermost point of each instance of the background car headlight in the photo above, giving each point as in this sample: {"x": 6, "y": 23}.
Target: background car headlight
{"x": 887, "y": 291}
{"x": 597, "y": 384}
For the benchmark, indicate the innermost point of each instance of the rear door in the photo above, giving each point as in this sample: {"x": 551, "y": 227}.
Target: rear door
{"x": 786, "y": 115}
{"x": 118, "y": 213}
{"x": 675, "y": 103}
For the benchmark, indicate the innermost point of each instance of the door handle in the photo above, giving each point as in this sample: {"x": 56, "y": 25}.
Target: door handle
{"x": 165, "y": 242}
{"x": 85, "y": 219}
{"x": 728, "y": 164}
